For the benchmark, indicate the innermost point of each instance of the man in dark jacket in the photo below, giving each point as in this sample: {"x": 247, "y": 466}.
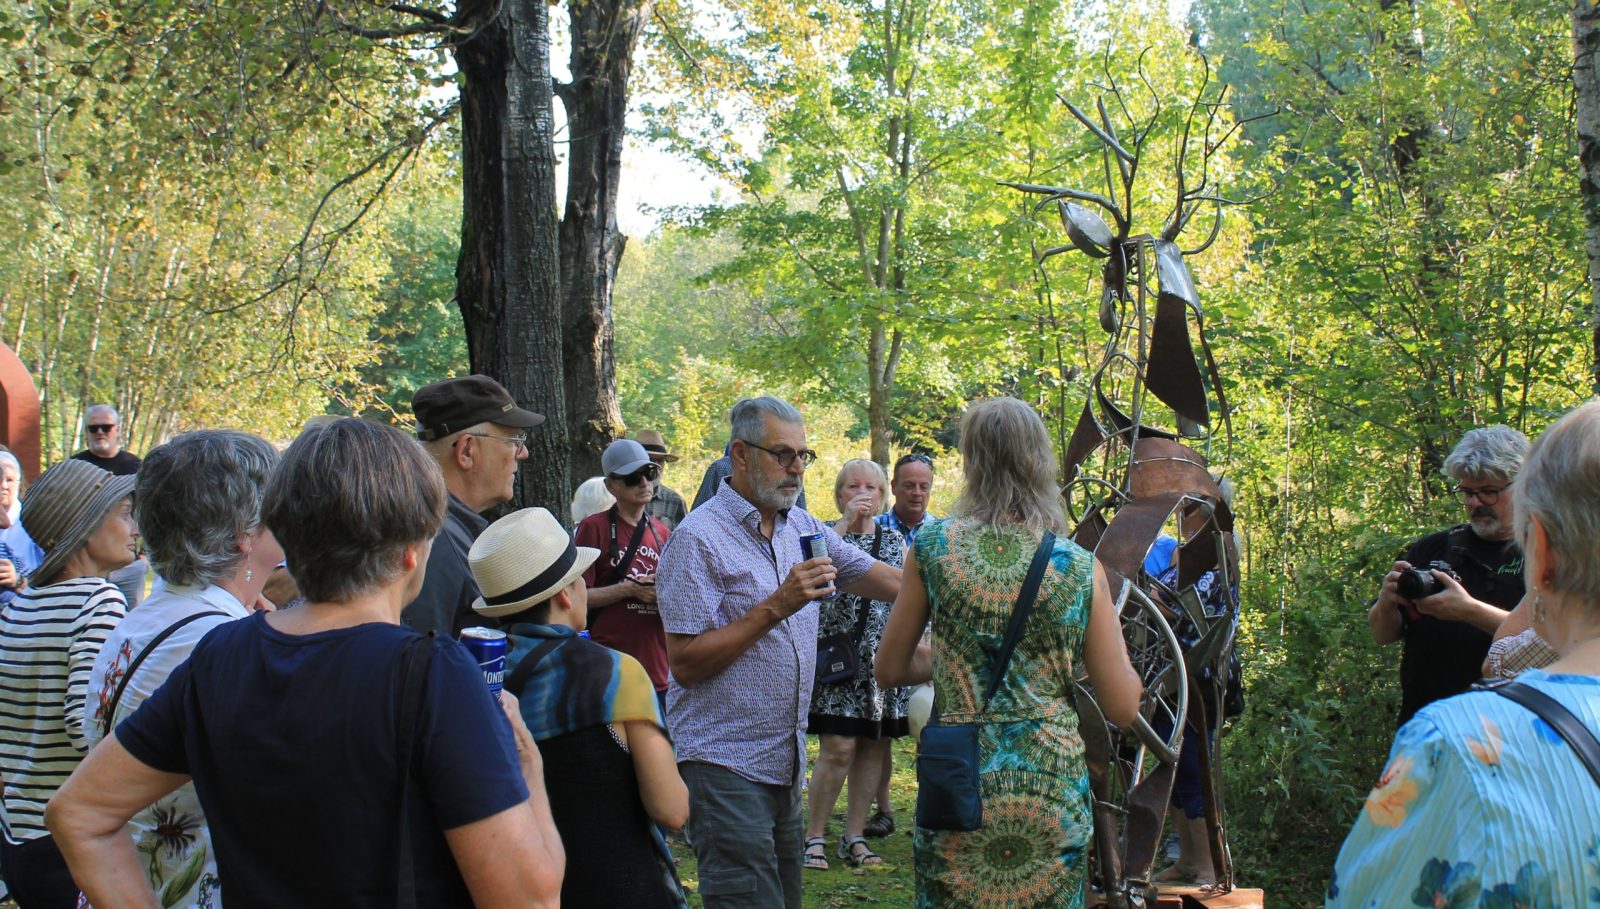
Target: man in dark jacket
{"x": 477, "y": 434}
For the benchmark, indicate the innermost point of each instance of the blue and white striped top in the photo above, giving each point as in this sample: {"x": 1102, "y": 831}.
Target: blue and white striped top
{"x": 49, "y": 638}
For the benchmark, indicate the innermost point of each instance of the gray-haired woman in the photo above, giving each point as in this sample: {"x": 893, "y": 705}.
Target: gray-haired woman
{"x": 198, "y": 502}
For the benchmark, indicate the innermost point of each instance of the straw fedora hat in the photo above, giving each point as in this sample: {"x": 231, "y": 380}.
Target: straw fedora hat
{"x": 655, "y": 443}
{"x": 524, "y": 559}
{"x": 65, "y": 506}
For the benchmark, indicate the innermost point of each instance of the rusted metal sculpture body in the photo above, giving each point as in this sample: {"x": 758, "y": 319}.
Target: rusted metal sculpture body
{"x": 1135, "y": 469}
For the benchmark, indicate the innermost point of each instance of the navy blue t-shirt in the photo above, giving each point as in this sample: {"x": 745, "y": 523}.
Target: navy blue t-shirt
{"x": 292, "y": 744}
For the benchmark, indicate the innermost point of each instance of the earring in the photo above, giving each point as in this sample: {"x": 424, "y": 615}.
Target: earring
{"x": 1537, "y": 607}
{"x": 248, "y": 573}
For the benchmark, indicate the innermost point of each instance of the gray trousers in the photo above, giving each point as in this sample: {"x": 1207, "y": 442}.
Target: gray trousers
{"x": 130, "y": 580}
{"x": 747, "y": 837}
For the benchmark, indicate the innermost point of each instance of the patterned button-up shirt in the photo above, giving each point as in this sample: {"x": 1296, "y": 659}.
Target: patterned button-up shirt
{"x": 751, "y": 717}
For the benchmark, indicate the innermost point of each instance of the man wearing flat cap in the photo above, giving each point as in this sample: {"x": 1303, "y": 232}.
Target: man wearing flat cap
{"x": 667, "y": 506}
{"x": 477, "y": 434}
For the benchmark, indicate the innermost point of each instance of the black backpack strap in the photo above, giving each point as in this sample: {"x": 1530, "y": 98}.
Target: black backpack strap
{"x": 1562, "y": 720}
{"x": 864, "y": 606}
{"x": 1020, "y": 612}
{"x": 122, "y": 684}
{"x": 518, "y": 680}
{"x": 415, "y": 660}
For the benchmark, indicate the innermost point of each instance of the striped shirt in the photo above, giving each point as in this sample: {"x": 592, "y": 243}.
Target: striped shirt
{"x": 49, "y": 638}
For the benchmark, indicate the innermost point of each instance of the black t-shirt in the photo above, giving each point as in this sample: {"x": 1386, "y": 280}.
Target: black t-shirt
{"x": 123, "y": 464}
{"x": 292, "y": 744}
{"x": 444, "y": 604}
{"x": 1442, "y": 658}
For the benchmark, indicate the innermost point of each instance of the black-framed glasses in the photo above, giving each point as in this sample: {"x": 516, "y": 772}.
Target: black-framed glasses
{"x": 786, "y": 456}
{"x": 101, "y": 427}
{"x": 649, "y": 472}
{"x": 917, "y": 458}
{"x": 1488, "y": 495}
{"x": 518, "y": 441}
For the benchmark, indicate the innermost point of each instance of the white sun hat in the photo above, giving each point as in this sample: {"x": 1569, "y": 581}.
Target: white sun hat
{"x": 524, "y": 559}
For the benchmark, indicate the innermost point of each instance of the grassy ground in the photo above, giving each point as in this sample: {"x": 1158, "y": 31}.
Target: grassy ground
{"x": 889, "y": 884}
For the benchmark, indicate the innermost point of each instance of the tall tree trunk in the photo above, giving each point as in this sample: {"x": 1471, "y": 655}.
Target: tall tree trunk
{"x": 1586, "y": 80}
{"x": 604, "y": 33}
{"x": 507, "y": 278}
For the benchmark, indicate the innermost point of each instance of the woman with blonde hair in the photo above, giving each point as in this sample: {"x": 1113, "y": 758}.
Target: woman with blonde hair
{"x": 965, "y": 573}
{"x": 853, "y": 718}
{"x": 1485, "y": 799}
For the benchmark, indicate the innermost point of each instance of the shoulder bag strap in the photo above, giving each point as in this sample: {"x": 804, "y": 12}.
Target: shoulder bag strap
{"x": 864, "y": 606}
{"x": 1019, "y": 613}
{"x": 122, "y": 684}
{"x": 518, "y": 679}
{"x": 1561, "y": 719}
{"x": 416, "y": 658}
{"x": 620, "y": 573}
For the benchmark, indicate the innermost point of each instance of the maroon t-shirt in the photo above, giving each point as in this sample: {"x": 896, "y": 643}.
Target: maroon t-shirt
{"x": 627, "y": 625}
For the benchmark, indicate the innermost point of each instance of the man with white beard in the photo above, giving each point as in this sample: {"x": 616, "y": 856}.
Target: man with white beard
{"x": 1446, "y": 634}
{"x": 735, "y": 594}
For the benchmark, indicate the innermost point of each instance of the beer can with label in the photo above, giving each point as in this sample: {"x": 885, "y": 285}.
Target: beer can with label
{"x": 814, "y": 545}
{"x": 488, "y": 647}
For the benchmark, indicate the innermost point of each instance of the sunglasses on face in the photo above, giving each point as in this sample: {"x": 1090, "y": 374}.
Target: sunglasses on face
{"x": 101, "y": 427}
{"x": 644, "y": 473}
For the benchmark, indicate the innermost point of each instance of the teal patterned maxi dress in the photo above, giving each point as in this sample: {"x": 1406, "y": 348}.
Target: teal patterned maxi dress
{"x": 1033, "y": 847}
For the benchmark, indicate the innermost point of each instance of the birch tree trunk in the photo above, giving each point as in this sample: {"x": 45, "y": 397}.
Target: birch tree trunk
{"x": 1586, "y": 81}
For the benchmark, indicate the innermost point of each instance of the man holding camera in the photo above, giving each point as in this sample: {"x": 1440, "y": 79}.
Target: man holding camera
{"x": 1452, "y": 589}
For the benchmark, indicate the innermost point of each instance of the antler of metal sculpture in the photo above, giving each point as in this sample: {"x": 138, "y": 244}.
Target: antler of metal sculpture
{"x": 1134, "y": 466}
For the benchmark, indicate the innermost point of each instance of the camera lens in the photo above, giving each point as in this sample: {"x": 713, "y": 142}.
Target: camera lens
{"x": 1416, "y": 583}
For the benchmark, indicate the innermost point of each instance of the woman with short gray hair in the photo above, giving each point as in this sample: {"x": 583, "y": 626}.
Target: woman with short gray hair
{"x": 1485, "y": 801}
{"x": 198, "y": 504}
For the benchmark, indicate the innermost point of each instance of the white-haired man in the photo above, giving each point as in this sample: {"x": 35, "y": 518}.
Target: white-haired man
{"x": 478, "y": 435}
{"x": 102, "y": 430}
{"x": 1446, "y": 634}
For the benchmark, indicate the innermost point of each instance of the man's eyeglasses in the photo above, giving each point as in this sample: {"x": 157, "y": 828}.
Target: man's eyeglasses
{"x": 1488, "y": 495}
{"x": 786, "y": 456}
{"x": 518, "y": 441}
{"x": 101, "y": 427}
{"x": 650, "y": 473}
{"x": 914, "y": 459}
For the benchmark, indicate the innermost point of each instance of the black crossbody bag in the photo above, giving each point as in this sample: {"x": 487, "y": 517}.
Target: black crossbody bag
{"x": 948, "y": 796}
{"x": 838, "y": 654}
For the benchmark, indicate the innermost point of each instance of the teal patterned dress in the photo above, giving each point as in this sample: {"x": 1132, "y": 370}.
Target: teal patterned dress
{"x": 1033, "y": 847}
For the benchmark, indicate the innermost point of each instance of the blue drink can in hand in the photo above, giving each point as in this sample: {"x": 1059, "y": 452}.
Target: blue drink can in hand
{"x": 814, "y": 545}
{"x": 488, "y": 647}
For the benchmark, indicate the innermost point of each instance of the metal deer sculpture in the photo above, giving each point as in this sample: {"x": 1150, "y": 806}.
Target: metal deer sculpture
{"x": 1135, "y": 470}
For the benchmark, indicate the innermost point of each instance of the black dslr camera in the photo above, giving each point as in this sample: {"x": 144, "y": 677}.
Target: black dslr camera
{"x": 1416, "y": 583}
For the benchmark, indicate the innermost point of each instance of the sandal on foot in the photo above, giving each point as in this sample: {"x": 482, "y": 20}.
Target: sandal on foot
{"x": 815, "y": 855}
{"x": 854, "y": 849}
{"x": 880, "y": 825}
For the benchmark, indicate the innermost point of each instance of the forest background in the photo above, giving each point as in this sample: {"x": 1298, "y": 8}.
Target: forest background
{"x": 228, "y": 214}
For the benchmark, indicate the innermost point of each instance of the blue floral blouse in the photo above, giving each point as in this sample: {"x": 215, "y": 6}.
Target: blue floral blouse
{"x": 1481, "y": 805}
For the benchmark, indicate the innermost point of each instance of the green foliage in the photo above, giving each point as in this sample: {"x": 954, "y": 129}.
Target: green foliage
{"x": 190, "y": 184}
